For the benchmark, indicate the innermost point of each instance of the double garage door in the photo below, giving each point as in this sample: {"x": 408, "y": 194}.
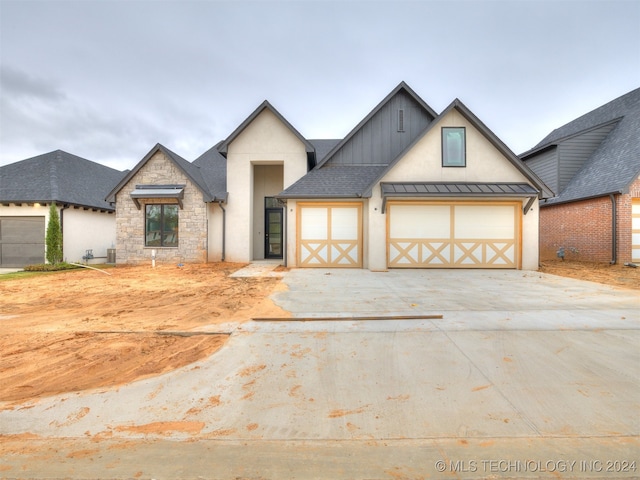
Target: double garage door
{"x": 419, "y": 235}
{"x": 453, "y": 235}
{"x": 21, "y": 241}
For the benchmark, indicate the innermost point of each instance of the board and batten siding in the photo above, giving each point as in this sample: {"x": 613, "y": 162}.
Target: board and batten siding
{"x": 379, "y": 141}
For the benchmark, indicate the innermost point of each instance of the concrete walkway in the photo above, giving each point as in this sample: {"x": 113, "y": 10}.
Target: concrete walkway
{"x": 525, "y": 376}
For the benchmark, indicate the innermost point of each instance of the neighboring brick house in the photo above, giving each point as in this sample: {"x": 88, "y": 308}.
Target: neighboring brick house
{"x": 406, "y": 188}
{"x": 77, "y": 186}
{"x": 593, "y": 165}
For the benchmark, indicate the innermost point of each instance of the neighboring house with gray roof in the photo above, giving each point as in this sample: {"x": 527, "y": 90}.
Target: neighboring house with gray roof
{"x": 77, "y": 186}
{"x": 406, "y": 188}
{"x": 593, "y": 165}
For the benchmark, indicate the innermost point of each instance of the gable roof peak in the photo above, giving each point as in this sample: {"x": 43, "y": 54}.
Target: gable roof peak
{"x": 224, "y": 145}
{"x": 401, "y": 86}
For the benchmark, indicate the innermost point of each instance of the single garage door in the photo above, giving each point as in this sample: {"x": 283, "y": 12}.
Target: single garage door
{"x": 21, "y": 241}
{"x": 635, "y": 230}
{"x": 453, "y": 235}
{"x": 329, "y": 235}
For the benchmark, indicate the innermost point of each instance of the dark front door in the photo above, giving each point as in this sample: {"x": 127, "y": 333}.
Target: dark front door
{"x": 273, "y": 233}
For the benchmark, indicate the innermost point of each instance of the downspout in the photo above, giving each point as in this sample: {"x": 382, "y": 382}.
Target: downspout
{"x": 224, "y": 229}
{"x": 614, "y": 233}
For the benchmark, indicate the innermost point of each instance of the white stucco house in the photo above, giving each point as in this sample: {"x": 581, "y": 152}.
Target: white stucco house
{"x": 406, "y": 188}
{"x": 77, "y": 186}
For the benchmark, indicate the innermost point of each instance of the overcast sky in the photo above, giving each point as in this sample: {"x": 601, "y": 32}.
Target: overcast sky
{"x": 108, "y": 79}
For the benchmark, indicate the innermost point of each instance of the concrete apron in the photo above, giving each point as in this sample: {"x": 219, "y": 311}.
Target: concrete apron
{"x": 525, "y": 376}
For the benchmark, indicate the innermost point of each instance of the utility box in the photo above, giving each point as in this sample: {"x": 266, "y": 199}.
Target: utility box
{"x": 111, "y": 255}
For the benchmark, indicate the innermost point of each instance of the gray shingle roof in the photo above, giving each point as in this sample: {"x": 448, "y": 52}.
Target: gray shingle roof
{"x": 615, "y": 164}
{"x": 323, "y": 147}
{"x": 336, "y": 181}
{"x": 58, "y": 176}
{"x": 213, "y": 168}
{"x": 205, "y": 174}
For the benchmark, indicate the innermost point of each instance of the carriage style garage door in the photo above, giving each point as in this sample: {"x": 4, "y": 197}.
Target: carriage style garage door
{"x": 21, "y": 241}
{"x": 329, "y": 235}
{"x": 453, "y": 235}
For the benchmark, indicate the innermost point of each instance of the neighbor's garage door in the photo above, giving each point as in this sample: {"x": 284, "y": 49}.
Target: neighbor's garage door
{"x": 21, "y": 241}
{"x": 329, "y": 235}
{"x": 635, "y": 230}
{"x": 453, "y": 235}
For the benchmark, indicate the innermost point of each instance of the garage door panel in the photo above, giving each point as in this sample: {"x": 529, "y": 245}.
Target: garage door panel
{"x": 21, "y": 241}
{"x": 484, "y": 222}
{"x": 314, "y": 223}
{"x": 416, "y": 221}
{"x": 344, "y": 223}
{"x": 329, "y": 235}
{"x": 471, "y": 236}
{"x": 15, "y": 255}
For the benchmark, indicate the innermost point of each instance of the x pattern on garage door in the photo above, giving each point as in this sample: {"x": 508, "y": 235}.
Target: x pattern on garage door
{"x": 453, "y": 235}
{"x": 329, "y": 235}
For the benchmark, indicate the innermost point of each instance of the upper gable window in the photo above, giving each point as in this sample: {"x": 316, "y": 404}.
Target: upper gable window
{"x": 454, "y": 147}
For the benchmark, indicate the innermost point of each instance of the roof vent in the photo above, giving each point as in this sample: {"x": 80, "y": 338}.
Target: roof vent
{"x": 401, "y": 120}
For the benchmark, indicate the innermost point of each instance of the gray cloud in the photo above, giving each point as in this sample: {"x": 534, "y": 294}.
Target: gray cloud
{"x": 108, "y": 79}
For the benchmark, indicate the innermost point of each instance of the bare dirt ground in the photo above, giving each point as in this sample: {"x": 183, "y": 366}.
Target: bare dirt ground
{"x": 83, "y": 329}
{"x": 615, "y": 275}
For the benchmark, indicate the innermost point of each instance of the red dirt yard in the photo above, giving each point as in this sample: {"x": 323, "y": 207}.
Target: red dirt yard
{"x": 83, "y": 329}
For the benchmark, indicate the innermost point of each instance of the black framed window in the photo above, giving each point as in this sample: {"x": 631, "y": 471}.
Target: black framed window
{"x": 454, "y": 147}
{"x": 161, "y": 225}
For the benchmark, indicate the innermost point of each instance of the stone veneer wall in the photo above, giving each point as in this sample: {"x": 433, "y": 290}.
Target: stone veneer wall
{"x": 192, "y": 218}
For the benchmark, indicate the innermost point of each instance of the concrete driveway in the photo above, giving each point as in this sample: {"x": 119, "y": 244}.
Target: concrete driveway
{"x": 526, "y": 375}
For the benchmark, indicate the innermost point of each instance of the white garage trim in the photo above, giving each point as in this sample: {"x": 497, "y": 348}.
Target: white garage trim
{"x": 329, "y": 235}
{"x": 464, "y": 234}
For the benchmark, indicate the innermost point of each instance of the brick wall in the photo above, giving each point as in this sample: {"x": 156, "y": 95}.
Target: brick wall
{"x": 584, "y": 228}
{"x": 192, "y": 218}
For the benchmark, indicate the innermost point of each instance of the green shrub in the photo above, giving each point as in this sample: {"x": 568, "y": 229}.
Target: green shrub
{"x": 49, "y": 267}
{"x": 54, "y": 236}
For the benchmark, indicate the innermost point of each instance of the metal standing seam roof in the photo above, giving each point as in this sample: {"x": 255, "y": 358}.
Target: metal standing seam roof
{"x": 450, "y": 189}
{"x": 158, "y": 191}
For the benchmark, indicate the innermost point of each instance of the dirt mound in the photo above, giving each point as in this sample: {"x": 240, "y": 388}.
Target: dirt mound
{"x": 83, "y": 329}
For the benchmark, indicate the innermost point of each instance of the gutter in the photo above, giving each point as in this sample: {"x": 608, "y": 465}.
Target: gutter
{"x": 224, "y": 229}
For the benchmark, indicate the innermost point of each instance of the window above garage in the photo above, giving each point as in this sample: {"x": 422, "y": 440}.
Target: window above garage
{"x": 158, "y": 192}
